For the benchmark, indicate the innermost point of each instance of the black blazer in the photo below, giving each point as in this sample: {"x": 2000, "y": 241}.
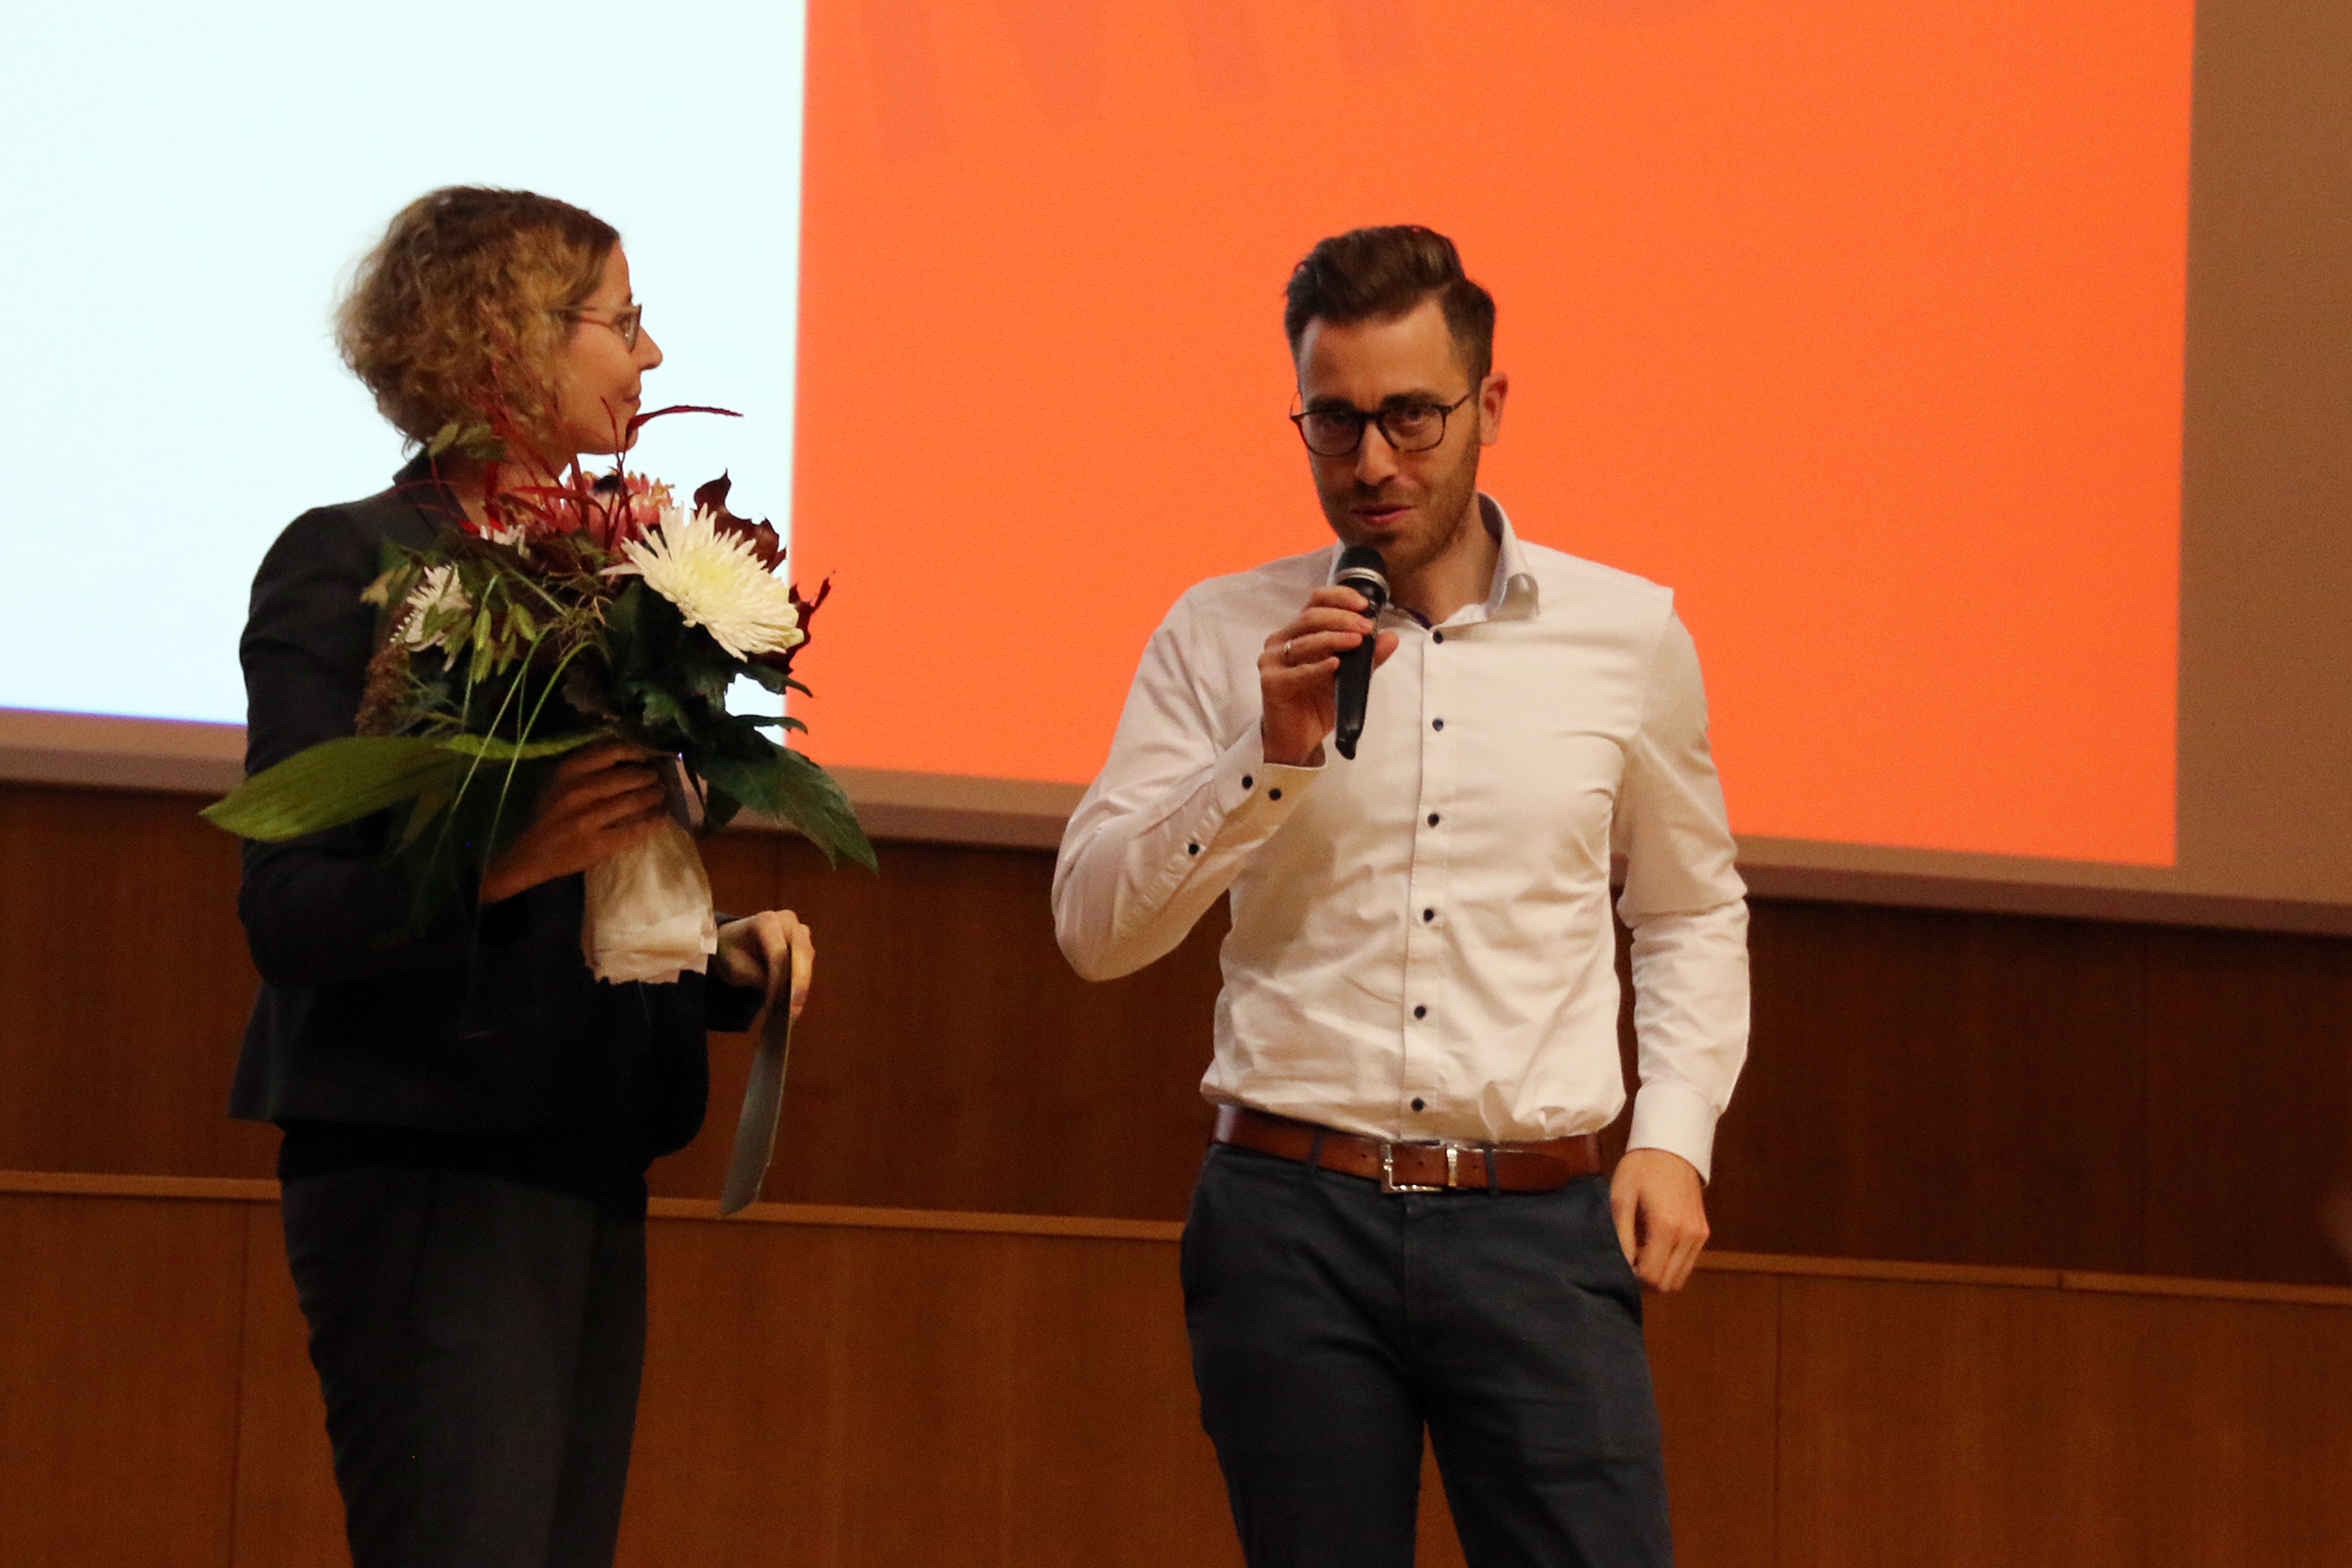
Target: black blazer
{"x": 361, "y": 1019}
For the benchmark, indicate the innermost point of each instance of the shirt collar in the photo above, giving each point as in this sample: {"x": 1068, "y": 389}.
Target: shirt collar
{"x": 1512, "y": 595}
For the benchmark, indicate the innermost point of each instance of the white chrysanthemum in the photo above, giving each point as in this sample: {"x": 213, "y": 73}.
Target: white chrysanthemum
{"x": 716, "y": 582}
{"x": 437, "y": 590}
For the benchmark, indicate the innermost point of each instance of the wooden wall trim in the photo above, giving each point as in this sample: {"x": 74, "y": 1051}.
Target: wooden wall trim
{"x": 859, "y": 1218}
{"x": 944, "y": 1221}
{"x": 1873, "y": 1268}
{"x": 108, "y": 751}
{"x": 2080, "y": 1280}
{"x": 2205, "y": 1290}
{"x": 74, "y": 1183}
{"x": 1820, "y": 872}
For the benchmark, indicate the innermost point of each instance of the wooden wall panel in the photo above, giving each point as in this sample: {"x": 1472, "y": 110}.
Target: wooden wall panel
{"x": 290, "y": 1513}
{"x": 882, "y": 1398}
{"x": 1962, "y": 1425}
{"x": 823, "y": 1394}
{"x": 1907, "y": 1414}
{"x": 2251, "y": 1098}
{"x": 123, "y": 987}
{"x": 118, "y": 1370}
{"x": 951, "y": 1059}
{"x": 1119, "y": 1469}
{"x": 1925, "y": 1084}
{"x": 1715, "y": 1359}
{"x": 2253, "y": 1431}
{"x": 1939, "y": 1085}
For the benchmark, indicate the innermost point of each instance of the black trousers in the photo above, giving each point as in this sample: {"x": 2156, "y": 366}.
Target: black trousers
{"x": 1331, "y": 1322}
{"x": 478, "y": 1343}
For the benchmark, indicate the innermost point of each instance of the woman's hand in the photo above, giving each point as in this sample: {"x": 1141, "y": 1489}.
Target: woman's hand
{"x": 772, "y": 949}
{"x": 602, "y": 800}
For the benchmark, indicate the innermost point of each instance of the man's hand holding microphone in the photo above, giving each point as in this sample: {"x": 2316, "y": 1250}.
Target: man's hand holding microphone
{"x": 1298, "y": 673}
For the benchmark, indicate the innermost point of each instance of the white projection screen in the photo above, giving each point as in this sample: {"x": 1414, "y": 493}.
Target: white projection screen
{"x": 1981, "y": 379}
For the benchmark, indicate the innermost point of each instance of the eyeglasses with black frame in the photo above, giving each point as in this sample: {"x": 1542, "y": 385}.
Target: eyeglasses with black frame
{"x": 627, "y": 321}
{"x": 1406, "y": 427}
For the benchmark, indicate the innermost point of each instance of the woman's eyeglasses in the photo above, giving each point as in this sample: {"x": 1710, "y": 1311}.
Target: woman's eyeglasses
{"x": 627, "y": 321}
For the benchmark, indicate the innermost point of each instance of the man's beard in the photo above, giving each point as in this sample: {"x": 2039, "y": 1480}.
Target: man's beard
{"x": 1447, "y": 508}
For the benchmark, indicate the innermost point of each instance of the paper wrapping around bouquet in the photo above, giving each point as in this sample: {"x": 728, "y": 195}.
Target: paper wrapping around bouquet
{"x": 649, "y": 915}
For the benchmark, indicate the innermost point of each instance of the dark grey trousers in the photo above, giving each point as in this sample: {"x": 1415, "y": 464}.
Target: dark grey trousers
{"x": 1331, "y": 1322}
{"x": 478, "y": 1343}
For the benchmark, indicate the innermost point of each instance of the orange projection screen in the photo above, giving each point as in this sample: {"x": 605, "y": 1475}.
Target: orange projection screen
{"x": 1857, "y": 322}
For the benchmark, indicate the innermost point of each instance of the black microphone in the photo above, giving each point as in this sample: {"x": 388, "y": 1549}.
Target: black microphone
{"x": 1360, "y": 568}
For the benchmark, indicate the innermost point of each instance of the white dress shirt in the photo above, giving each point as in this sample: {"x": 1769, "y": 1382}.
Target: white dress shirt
{"x": 1420, "y": 944}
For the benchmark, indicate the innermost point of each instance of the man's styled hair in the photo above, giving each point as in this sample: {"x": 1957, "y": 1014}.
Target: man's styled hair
{"x": 460, "y": 306}
{"x": 1381, "y": 274}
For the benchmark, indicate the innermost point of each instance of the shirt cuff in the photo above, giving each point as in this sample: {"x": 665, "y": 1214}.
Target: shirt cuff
{"x": 1254, "y": 795}
{"x": 1678, "y": 1120}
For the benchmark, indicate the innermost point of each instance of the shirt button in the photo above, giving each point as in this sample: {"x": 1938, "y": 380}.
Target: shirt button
{"x": 1273, "y": 794}
{"x": 1434, "y": 723}
{"x": 1418, "y": 1105}
{"x": 1421, "y": 1012}
{"x": 1192, "y": 848}
{"x": 1433, "y": 818}
{"x": 1429, "y": 914}
{"x": 1249, "y": 783}
{"x": 1435, "y": 637}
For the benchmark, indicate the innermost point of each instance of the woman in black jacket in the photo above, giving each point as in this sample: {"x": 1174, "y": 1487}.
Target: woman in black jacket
{"x": 468, "y": 1114}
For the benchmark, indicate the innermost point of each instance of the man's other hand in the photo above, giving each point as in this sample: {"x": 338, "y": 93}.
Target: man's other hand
{"x": 1662, "y": 1217}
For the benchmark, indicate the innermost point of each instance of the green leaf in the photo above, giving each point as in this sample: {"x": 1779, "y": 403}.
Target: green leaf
{"x": 707, "y": 671}
{"x": 491, "y": 749}
{"x": 477, "y": 440}
{"x": 793, "y": 790}
{"x": 485, "y": 652}
{"x": 422, "y": 811}
{"x": 655, "y": 706}
{"x": 334, "y": 782}
{"x": 342, "y": 781}
{"x": 773, "y": 680}
{"x": 620, "y": 616}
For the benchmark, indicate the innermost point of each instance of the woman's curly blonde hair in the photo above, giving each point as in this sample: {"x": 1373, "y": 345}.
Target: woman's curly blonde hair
{"x": 461, "y": 307}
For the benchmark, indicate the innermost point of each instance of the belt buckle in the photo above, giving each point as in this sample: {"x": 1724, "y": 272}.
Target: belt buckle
{"x": 1388, "y": 1183}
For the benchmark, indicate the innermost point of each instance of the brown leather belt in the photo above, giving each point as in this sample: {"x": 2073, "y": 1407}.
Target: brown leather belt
{"x": 1413, "y": 1167}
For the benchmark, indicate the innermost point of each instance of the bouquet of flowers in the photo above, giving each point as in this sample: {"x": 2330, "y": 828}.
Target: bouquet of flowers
{"x": 583, "y": 610}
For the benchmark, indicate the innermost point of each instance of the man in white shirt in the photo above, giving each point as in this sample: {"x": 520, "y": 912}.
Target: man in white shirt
{"x": 1402, "y": 1225}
